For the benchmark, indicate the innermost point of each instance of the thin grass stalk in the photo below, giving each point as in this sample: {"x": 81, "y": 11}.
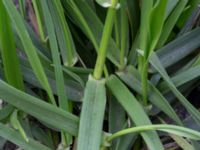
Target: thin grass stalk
{"x": 181, "y": 131}
{"x": 98, "y": 70}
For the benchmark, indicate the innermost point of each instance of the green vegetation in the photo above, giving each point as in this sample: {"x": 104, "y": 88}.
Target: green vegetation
{"x": 99, "y": 74}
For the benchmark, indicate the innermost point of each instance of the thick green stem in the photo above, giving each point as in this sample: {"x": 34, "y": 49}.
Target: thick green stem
{"x": 105, "y": 40}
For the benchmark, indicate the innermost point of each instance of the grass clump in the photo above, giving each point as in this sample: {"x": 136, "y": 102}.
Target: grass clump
{"x": 99, "y": 74}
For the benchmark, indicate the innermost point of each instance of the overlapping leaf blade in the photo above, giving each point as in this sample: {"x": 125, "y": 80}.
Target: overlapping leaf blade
{"x": 90, "y": 128}
{"x": 43, "y": 111}
{"x": 134, "y": 109}
{"x": 14, "y": 136}
{"x": 130, "y": 78}
{"x": 28, "y": 47}
{"x": 154, "y": 60}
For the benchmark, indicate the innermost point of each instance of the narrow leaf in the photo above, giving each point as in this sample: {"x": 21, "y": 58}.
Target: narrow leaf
{"x": 15, "y": 137}
{"x": 28, "y": 47}
{"x": 133, "y": 108}
{"x": 92, "y": 114}
{"x": 39, "y": 109}
{"x": 154, "y": 60}
{"x": 132, "y": 78}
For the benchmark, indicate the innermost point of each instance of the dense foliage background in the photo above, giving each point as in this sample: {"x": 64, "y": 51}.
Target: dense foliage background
{"x": 99, "y": 74}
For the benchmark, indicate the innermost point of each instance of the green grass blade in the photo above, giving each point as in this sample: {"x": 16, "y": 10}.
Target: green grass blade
{"x": 12, "y": 70}
{"x": 38, "y": 15}
{"x": 192, "y": 4}
{"x": 6, "y": 111}
{"x": 171, "y": 21}
{"x": 133, "y": 108}
{"x": 146, "y": 9}
{"x": 14, "y": 137}
{"x": 60, "y": 85}
{"x": 181, "y": 78}
{"x": 134, "y": 17}
{"x": 28, "y": 47}
{"x": 170, "y": 6}
{"x": 156, "y": 24}
{"x": 65, "y": 41}
{"x": 92, "y": 114}
{"x": 179, "y": 48}
{"x": 91, "y": 25}
{"x": 91, "y": 3}
{"x": 117, "y": 118}
{"x": 154, "y": 60}
{"x": 73, "y": 89}
{"x": 43, "y": 111}
{"x": 124, "y": 34}
{"x": 56, "y": 57}
{"x": 17, "y": 125}
{"x": 183, "y": 143}
{"x": 180, "y": 131}
{"x": 132, "y": 78}
{"x": 11, "y": 65}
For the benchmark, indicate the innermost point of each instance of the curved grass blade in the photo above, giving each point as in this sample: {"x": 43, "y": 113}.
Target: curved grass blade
{"x": 177, "y": 130}
{"x": 28, "y": 47}
{"x": 154, "y": 60}
{"x": 43, "y": 111}
{"x": 15, "y": 137}
{"x": 92, "y": 114}
{"x": 134, "y": 109}
{"x": 22, "y": 7}
{"x": 132, "y": 78}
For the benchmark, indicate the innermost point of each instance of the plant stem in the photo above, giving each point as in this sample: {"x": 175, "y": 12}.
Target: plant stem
{"x": 105, "y": 39}
{"x": 144, "y": 82}
{"x": 160, "y": 127}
